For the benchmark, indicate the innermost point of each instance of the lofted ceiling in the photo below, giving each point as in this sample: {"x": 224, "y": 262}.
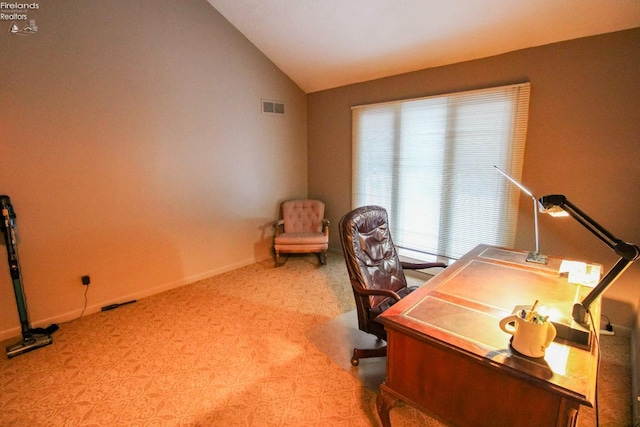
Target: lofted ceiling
{"x": 322, "y": 44}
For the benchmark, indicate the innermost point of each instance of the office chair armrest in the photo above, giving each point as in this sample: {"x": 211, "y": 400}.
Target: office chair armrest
{"x": 381, "y": 292}
{"x": 422, "y": 266}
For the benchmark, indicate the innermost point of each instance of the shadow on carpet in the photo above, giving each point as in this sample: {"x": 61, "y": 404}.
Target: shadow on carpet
{"x": 338, "y": 337}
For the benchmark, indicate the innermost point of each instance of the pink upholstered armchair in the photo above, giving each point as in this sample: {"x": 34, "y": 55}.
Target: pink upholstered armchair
{"x": 302, "y": 229}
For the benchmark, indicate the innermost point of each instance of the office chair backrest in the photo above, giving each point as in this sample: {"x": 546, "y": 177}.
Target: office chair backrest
{"x": 371, "y": 257}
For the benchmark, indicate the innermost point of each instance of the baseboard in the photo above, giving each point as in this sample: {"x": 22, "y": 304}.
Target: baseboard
{"x": 621, "y": 330}
{"x": 97, "y": 307}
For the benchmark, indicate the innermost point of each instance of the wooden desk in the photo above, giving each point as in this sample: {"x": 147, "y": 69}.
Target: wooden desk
{"x": 448, "y": 356}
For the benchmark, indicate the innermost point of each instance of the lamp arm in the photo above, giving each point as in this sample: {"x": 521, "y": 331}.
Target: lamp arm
{"x": 628, "y": 252}
{"x": 581, "y": 310}
{"x": 561, "y": 201}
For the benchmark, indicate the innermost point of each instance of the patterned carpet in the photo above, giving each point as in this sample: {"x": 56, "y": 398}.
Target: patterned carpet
{"x": 258, "y": 346}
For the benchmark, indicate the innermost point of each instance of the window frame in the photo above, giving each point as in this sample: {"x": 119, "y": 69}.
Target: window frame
{"x": 511, "y": 159}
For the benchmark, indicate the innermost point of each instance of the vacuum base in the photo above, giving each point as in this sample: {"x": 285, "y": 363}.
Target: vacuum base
{"x": 32, "y": 343}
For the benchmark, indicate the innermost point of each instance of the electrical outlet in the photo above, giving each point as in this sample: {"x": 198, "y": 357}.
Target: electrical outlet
{"x": 86, "y": 280}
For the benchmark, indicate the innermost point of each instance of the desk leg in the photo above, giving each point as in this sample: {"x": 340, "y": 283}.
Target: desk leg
{"x": 384, "y": 403}
{"x": 568, "y": 414}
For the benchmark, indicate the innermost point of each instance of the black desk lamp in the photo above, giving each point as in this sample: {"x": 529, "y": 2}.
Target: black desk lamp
{"x": 558, "y": 205}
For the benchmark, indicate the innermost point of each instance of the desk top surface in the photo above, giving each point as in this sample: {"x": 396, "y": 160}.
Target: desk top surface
{"x": 462, "y": 307}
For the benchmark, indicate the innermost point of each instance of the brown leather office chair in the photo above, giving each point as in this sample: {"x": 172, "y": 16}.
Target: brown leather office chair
{"x": 375, "y": 271}
{"x": 302, "y": 229}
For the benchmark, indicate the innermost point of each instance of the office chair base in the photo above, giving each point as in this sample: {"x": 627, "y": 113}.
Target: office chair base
{"x": 359, "y": 353}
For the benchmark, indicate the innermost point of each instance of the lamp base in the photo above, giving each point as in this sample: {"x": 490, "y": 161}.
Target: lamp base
{"x": 537, "y": 257}
{"x": 573, "y": 332}
{"x": 580, "y": 314}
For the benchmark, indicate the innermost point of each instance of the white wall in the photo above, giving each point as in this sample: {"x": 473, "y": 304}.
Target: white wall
{"x": 134, "y": 150}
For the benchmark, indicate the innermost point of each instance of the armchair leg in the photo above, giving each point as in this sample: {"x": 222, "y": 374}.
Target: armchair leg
{"x": 278, "y": 261}
{"x": 359, "y": 353}
{"x": 322, "y": 257}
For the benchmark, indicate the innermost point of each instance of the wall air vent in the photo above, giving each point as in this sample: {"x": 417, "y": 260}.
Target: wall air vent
{"x": 272, "y": 107}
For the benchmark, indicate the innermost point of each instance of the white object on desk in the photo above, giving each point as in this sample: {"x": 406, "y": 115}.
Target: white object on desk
{"x": 580, "y": 273}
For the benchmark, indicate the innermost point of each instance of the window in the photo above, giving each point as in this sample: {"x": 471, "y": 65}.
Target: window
{"x": 429, "y": 162}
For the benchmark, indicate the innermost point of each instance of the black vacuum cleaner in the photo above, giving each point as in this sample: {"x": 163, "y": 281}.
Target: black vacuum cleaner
{"x": 31, "y": 338}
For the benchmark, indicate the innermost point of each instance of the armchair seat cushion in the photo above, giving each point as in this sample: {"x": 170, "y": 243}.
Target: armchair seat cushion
{"x": 301, "y": 239}
{"x": 301, "y": 242}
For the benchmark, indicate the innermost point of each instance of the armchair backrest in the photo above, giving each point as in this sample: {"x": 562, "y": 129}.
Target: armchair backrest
{"x": 371, "y": 257}
{"x": 303, "y": 216}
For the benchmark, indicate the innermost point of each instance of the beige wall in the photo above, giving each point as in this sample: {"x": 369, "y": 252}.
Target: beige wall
{"x": 134, "y": 150}
{"x": 583, "y": 141}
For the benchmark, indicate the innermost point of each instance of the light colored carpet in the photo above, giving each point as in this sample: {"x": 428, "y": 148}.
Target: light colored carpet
{"x": 258, "y": 346}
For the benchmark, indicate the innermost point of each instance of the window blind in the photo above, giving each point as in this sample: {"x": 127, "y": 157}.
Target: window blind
{"x": 429, "y": 162}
